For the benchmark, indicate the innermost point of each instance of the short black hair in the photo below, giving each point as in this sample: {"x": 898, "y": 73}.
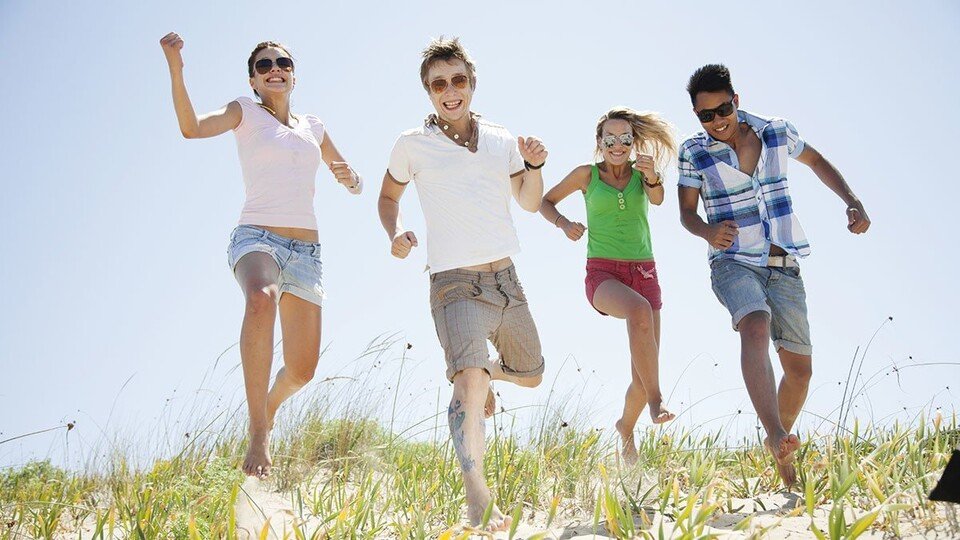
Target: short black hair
{"x": 709, "y": 78}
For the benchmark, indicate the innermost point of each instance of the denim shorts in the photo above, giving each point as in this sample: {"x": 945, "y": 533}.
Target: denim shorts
{"x": 301, "y": 273}
{"x": 743, "y": 289}
{"x": 471, "y": 307}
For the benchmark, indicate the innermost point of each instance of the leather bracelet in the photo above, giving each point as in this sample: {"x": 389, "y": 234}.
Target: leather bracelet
{"x": 557, "y": 220}
{"x": 530, "y": 167}
{"x": 659, "y": 181}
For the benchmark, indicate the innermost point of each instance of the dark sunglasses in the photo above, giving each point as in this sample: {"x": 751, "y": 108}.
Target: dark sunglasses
{"x": 706, "y": 115}
{"x": 625, "y": 139}
{"x": 264, "y": 65}
{"x": 458, "y": 81}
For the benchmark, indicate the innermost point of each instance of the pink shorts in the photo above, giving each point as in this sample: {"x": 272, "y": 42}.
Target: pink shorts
{"x": 640, "y": 276}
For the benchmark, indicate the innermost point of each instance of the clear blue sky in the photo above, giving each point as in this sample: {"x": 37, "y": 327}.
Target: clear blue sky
{"x": 115, "y": 227}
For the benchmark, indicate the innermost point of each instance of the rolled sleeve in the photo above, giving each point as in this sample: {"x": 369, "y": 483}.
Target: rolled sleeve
{"x": 689, "y": 176}
{"x": 399, "y": 167}
{"x": 795, "y": 144}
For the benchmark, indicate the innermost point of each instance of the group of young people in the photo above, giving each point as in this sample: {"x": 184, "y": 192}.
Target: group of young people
{"x": 466, "y": 170}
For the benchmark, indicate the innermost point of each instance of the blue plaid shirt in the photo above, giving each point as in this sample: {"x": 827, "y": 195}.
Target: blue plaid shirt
{"x": 760, "y": 204}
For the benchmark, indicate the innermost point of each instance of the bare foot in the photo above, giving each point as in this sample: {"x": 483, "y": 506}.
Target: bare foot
{"x": 497, "y": 522}
{"x": 629, "y": 448}
{"x": 490, "y": 406}
{"x": 659, "y": 414}
{"x": 258, "y": 463}
{"x": 783, "y": 453}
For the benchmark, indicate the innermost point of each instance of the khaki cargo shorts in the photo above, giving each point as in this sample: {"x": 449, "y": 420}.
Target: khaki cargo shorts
{"x": 471, "y": 307}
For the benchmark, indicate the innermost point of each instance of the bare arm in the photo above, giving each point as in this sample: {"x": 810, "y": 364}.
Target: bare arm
{"x": 647, "y": 167}
{"x": 527, "y": 185}
{"x": 857, "y": 220}
{"x": 719, "y": 235}
{"x": 388, "y": 206}
{"x": 341, "y": 170}
{"x": 577, "y": 180}
{"x": 192, "y": 126}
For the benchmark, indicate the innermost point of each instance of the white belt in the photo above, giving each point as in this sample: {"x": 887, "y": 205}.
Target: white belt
{"x": 782, "y": 261}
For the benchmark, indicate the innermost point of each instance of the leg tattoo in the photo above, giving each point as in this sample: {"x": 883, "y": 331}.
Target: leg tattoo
{"x": 456, "y": 416}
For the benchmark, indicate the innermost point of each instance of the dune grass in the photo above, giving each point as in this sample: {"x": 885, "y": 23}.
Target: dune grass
{"x": 348, "y": 474}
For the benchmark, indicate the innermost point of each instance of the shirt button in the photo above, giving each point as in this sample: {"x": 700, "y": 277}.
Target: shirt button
{"x": 622, "y": 207}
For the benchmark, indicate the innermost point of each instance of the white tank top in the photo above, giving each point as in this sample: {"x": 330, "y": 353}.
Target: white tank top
{"x": 279, "y": 165}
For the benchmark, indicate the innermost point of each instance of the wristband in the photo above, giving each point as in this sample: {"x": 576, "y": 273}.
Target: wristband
{"x": 659, "y": 181}
{"x": 530, "y": 167}
{"x": 557, "y": 220}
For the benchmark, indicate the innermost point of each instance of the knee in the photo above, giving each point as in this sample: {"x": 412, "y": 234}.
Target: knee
{"x": 530, "y": 382}
{"x": 300, "y": 376}
{"x": 755, "y": 328}
{"x": 471, "y": 381}
{"x": 262, "y": 301}
{"x": 640, "y": 317}
{"x": 799, "y": 372}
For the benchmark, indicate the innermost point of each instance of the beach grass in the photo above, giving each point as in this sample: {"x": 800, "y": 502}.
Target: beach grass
{"x": 345, "y": 472}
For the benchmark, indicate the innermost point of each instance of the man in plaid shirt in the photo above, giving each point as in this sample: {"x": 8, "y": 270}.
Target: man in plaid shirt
{"x": 738, "y": 167}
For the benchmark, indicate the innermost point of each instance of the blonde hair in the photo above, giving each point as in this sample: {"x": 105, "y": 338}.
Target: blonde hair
{"x": 651, "y": 134}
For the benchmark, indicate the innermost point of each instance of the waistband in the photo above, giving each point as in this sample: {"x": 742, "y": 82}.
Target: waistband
{"x": 481, "y": 278}
{"x": 597, "y": 262}
{"x": 272, "y": 237}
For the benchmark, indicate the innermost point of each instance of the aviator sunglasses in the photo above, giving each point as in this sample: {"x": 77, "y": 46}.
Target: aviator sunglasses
{"x": 264, "y": 65}
{"x": 458, "y": 81}
{"x": 707, "y": 115}
{"x": 609, "y": 141}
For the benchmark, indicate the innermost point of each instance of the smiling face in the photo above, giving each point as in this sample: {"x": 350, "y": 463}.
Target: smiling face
{"x": 721, "y": 128}
{"x": 452, "y": 104}
{"x": 276, "y": 82}
{"x": 618, "y": 154}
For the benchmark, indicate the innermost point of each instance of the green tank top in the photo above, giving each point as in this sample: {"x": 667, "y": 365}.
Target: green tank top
{"x": 617, "y": 225}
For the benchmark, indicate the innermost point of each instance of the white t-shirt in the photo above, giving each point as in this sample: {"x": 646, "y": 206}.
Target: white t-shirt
{"x": 279, "y": 165}
{"x": 465, "y": 196}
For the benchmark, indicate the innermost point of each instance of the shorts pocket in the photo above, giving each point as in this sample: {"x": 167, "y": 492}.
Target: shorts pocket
{"x": 445, "y": 293}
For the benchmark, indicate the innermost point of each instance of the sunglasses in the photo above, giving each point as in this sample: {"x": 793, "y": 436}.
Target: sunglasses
{"x": 609, "y": 141}
{"x": 707, "y": 115}
{"x": 264, "y": 65}
{"x": 458, "y": 81}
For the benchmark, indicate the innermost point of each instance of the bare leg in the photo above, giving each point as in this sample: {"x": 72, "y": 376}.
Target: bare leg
{"x": 497, "y": 374}
{"x": 622, "y": 302}
{"x": 636, "y": 400}
{"x": 258, "y": 276}
{"x": 761, "y": 385}
{"x": 300, "y": 323}
{"x": 467, "y": 428}
{"x": 797, "y": 370}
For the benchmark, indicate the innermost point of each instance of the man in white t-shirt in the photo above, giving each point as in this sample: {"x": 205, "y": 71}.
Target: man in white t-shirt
{"x": 466, "y": 170}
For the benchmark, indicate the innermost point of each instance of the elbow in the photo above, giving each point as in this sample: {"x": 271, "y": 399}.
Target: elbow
{"x": 188, "y": 133}
{"x": 532, "y": 207}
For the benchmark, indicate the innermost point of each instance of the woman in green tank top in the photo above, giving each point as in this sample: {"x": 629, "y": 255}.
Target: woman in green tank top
{"x": 621, "y": 274}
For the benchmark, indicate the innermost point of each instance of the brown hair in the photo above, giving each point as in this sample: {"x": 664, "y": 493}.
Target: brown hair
{"x": 651, "y": 134}
{"x": 442, "y": 49}
{"x": 256, "y": 50}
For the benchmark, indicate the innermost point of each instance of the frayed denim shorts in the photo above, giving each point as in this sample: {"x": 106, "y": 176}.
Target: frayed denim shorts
{"x": 301, "y": 273}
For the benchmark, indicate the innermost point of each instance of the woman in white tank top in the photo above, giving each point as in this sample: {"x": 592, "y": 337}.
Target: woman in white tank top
{"x": 274, "y": 248}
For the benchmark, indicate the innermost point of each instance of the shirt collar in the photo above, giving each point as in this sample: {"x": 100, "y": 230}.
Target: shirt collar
{"x": 756, "y": 123}
{"x": 441, "y": 126}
